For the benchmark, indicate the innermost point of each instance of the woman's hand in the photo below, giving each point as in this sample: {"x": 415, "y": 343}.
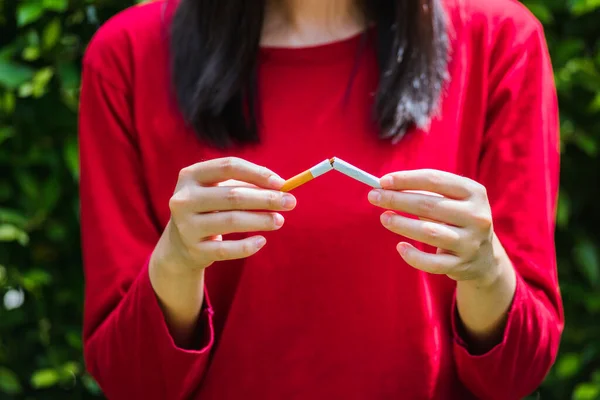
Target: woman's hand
{"x": 215, "y": 198}
{"x": 456, "y": 218}
{"x": 211, "y": 199}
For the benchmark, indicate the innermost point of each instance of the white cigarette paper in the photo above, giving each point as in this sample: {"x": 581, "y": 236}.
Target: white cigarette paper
{"x": 321, "y": 168}
{"x": 355, "y": 173}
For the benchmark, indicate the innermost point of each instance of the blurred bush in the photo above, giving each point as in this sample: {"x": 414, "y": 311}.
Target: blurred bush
{"x": 41, "y": 44}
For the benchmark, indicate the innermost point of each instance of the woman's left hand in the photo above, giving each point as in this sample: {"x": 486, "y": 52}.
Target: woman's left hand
{"x": 456, "y": 218}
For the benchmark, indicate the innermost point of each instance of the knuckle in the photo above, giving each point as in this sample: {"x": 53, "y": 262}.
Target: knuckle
{"x": 179, "y": 199}
{"x": 232, "y": 219}
{"x": 274, "y": 200}
{"x": 479, "y": 192}
{"x": 388, "y": 200}
{"x": 427, "y": 207}
{"x": 221, "y": 253}
{"x": 185, "y": 173}
{"x": 264, "y": 172}
{"x": 469, "y": 248}
{"x": 483, "y": 221}
{"x": 234, "y": 197}
{"x": 229, "y": 164}
{"x": 456, "y": 242}
{"x": 481, "y": 189}
{"x": 435, "y": 177}
{"x": 247, "y": 248}
{"x": 431, "y": 230}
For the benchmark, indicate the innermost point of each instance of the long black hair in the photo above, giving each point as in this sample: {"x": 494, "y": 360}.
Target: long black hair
{"x": 214, "y": 48}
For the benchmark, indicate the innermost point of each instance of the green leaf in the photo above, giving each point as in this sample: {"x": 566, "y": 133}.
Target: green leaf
{"x": 12, "y": 217}
{"x": 9, "y": 102}
{"x": 74, "y": 340}
{"x": 44, "y": 378}
{"x": 580, "y": 7}
{"x": 31, "y": 53}
{"x": 26, "y": 89}
{"x": 586, "y": 391}
{"x": 586, "y": 255}
{"x": 29, "y": 12}
{"x": 568, "y": 365}
{"x": 52, "y": 33}
{"x": 587, "y": 144}
{"x": 10, "y": 233}
{"x": 595, "y": 104}
{"x": 71, "y": 156}
{"x": 596, "y": 376}
{"x": 34, "y": 279}
{"x": 9, "y": 382}
{"x": 90, "y": 384}
{"x": 2, "y": 276}
{"x": 56, "y": 5}
{"x": 27, "y": 183}
{"x": 71, "y": 368}
{"x": 6, "y": 132}
{"x": 41, "y": 80}
{"x": 563, "y": 211}
{"x": 12, "y": 75}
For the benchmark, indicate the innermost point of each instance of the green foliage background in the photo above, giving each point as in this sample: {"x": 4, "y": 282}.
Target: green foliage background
{"x": 41, "y": 43}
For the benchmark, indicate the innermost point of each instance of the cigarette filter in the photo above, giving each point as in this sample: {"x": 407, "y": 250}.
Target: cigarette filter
{"x": 355, "y": 173}
{"x": 306, "y": 176}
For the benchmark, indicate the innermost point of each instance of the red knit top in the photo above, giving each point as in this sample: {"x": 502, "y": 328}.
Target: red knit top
{"x": 328, "y": 309}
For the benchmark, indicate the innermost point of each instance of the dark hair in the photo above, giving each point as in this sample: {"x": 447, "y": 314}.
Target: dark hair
{"x": 215, "y": 46}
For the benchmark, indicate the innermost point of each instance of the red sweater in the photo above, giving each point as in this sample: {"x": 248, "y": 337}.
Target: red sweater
{"x": 328, "y": 309}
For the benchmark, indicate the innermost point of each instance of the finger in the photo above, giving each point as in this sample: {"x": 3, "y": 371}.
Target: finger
{"x": 222, "y": 169}
{"x": 433, "y": 208}
{"x": 440, "y": 182}
{"x": 224, "y": 198}
{"x": 233, "y": 182}
{"x": 231, "y": 249}
{"x": 222, "y": 223}
{"x": 432, "y": 233}
{"x": 439, "y": 264}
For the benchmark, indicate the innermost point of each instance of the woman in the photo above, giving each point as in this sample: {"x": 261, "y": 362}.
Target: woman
{"x": 193, "y": 110}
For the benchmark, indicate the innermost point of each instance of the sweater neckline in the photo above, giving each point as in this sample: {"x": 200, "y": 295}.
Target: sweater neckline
{"x": 338, "y": 50}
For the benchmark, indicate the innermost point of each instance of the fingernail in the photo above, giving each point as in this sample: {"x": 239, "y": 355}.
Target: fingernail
{"x": 278, "y": 218}
{"x": 275, "y": 181}
{"x": 374, "y": 196}
{"x": 386, "y": 181}
{"x": 260, "y": 242}
{"x": 402, "y": 248}
{"x": 385, "y": 218}
{"x": 288, "y": 201}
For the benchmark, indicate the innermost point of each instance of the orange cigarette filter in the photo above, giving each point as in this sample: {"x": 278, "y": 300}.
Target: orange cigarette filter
{"x": 297, "y": 180}
{"x": 307, "y": 176}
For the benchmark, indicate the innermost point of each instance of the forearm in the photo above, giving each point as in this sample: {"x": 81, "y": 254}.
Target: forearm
{"x": 483, "y": 304}
{"x": 180, "y": 296}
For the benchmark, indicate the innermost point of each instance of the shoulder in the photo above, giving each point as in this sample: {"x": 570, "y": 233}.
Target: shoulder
{"x": 126, "y": 39}
{"x": 492, "y": 20}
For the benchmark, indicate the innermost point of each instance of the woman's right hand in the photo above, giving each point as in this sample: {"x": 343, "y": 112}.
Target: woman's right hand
{"x": 215, "y": 198}
{"x": 211, "y": 199}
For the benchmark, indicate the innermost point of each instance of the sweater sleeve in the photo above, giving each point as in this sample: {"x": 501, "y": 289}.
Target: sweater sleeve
{"x": 519, "y": 166}
{"x": 128, "y": 348}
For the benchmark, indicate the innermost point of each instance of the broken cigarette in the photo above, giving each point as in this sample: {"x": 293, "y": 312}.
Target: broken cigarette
{"x": 355, "y": 173}
{"x": 308, "y": 175}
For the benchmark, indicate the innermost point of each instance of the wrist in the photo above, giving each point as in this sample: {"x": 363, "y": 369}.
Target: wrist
{"x": 499, "y": 269}
{"x": 167, "y": 261}
{"x": 164, "y": 267}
